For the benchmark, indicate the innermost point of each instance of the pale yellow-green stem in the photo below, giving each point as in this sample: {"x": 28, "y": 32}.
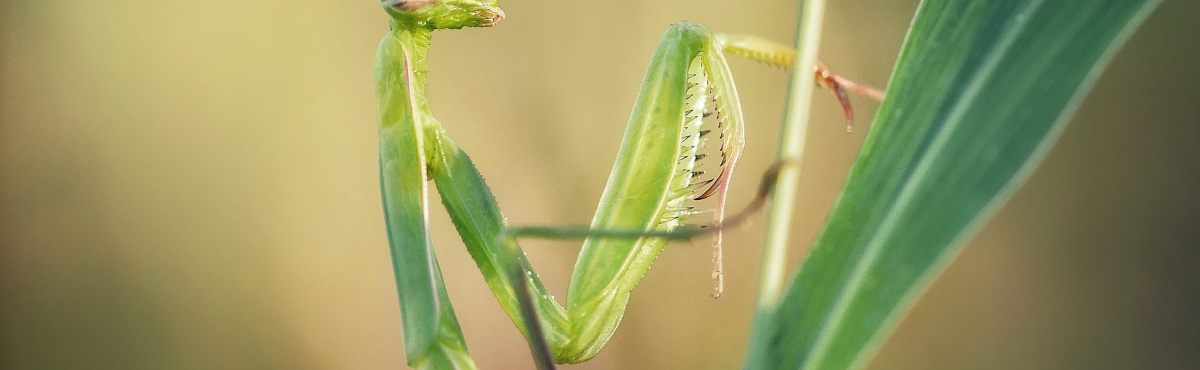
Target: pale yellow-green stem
{"x": 791, "y": 150}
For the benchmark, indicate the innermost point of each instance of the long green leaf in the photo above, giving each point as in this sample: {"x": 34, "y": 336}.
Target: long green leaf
{"x": 979, "y": 94}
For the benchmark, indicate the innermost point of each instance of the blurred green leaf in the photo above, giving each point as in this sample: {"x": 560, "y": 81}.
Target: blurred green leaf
{"x": 979, "y": 94}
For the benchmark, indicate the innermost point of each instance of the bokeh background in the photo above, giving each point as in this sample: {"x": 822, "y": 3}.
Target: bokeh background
{"x": 192, "y": 185}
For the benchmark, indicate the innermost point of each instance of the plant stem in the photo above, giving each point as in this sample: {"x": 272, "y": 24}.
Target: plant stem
{"x": 791, "y": 150}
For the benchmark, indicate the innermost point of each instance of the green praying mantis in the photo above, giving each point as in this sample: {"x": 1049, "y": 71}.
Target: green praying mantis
{"x": 642, "y": 207}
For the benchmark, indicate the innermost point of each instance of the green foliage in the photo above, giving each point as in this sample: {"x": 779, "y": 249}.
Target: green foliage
{"x": 979, "y": 95}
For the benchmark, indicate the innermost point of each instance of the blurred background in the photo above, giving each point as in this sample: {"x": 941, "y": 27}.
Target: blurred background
{"x": 193, "y": 185}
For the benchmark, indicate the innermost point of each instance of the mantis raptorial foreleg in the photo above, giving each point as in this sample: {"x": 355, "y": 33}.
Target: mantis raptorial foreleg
{"x": 653, "y": 177}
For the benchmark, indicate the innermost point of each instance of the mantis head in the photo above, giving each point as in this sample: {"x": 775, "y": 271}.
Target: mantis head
{"x": 441, "y": 14}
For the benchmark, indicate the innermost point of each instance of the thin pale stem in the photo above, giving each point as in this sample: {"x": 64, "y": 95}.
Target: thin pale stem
{"x": 791, "y": 149}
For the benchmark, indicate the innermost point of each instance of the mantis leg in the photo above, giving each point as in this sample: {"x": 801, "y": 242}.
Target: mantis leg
{"x": 779, "y": 55}
{"x": 432, "y": 336}
{"x": 653, "y": 176}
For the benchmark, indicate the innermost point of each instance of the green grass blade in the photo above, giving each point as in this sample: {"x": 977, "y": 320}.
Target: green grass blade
{"x": 979, "y": 94}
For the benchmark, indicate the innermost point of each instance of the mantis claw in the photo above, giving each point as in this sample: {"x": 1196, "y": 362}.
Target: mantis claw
{"x": 778, "y": 55}
{"x": 826, "y": 78}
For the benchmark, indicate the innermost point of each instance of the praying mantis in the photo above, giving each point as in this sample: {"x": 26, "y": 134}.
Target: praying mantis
{"x": 642, "y": 207}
